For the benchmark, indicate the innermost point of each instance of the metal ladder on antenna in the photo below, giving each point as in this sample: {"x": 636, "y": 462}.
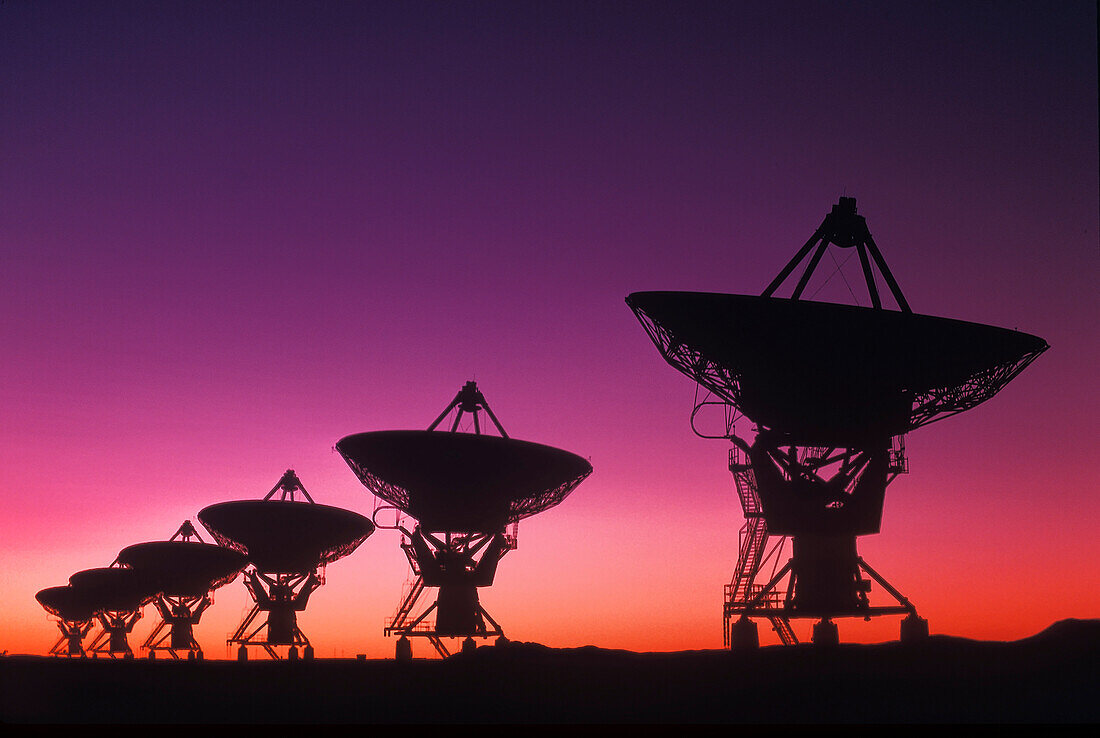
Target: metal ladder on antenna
{"x": 753, "y": 536}
{"x": 397, "y": 622}
{"x": 440, "y": 646}
{"x": 406, "y": 606}
{"x": 753, "y": 541}
{"x": 782, "y": 627}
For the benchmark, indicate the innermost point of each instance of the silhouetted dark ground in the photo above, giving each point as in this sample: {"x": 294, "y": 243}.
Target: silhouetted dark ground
{"x": 1050, "y": 678}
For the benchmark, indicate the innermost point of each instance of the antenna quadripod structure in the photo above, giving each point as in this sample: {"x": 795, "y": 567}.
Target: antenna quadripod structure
{"x": 831, "y": 390}
{"x": 185, "y": 570}
{"x": 115, "y": 595}
{"x": 464, "y": 490}
{"x": 288, "y": 543}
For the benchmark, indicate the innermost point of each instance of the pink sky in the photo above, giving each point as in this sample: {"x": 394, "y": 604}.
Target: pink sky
{"x": 232, "y": 234}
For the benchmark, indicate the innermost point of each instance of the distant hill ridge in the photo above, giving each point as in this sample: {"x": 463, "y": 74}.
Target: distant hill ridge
{"x": 1051, "y": 676}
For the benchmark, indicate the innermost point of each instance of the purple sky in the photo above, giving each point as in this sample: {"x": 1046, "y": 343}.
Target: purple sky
{"x": 232, "y": 233}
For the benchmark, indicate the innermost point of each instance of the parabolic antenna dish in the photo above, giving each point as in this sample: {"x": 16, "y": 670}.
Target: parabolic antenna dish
{"x": 284, "y": 536}
{"x": 113, "y": 588}
{"x": 462, "y": 481}
{"x": 67, "y": 603}
{"x": 827, "y": 373}
{"x": 184, "y": 568}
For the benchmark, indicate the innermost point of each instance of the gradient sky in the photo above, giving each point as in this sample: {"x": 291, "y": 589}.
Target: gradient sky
{"x": 232, "y": 233}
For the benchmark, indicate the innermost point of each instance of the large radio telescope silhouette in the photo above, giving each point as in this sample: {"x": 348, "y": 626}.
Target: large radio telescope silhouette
{"x": 831, "y": 390}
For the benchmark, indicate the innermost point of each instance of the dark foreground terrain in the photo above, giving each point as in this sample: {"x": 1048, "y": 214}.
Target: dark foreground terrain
{"x": 1050, "y": 677}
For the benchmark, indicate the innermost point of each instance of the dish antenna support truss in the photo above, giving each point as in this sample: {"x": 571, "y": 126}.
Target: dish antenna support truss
{"x": 455, "y": 562}
{"x": 287, "y": 485}
{"x": 280, "y": 595}
{"x": 820, "y": 499}
{"x": 844, "y": 228}
{"x": 115, "y": 626}
{"x": 287, "y": 544}
{"x": 469, "y": 400}
{"x": 830, "y": 570}
{"x": 116, "y": 622}
{"x": 71, "y": 642}
{"x": 179, "y": 614}
{"x": 74, "y": 622}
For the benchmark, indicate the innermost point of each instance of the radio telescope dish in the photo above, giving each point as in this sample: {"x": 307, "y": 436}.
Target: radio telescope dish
{"x": 288, "y": 543}
{"x": 185, "y": 572}
{"x": 463, "y": 489}
{"x": 285, "y": 535}
{"x": 74, "y": 612}
{"x": 828, "y": 373}
{"x": 67, "y": 603}
{"x": 184, "y": 568}
{"x": 114, "y": 589}
{"x": 831, "y": 390}
{"x": 116, "y": 595}
{"x": 462, "y": 481}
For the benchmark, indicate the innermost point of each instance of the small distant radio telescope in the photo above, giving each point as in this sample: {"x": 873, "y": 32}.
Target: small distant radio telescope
{"x": 288, "y": 544}
{"x": 185, "y": 570}
{"x": 116, "y": 596}
{"x": 75, "y": 613}
{"x": 831, "y": 389}
{"x": 464, "y": 490}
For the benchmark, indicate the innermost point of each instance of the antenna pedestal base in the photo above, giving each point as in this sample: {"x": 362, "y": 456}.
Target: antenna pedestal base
{"x": 744, "y": 635}
{"x": 826, "y": 633}
{"x": 282, "y": 597}
{"x": 914, "y": 629}
{"x": 71, "y": 642}
{"x": 112, "y": 639}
